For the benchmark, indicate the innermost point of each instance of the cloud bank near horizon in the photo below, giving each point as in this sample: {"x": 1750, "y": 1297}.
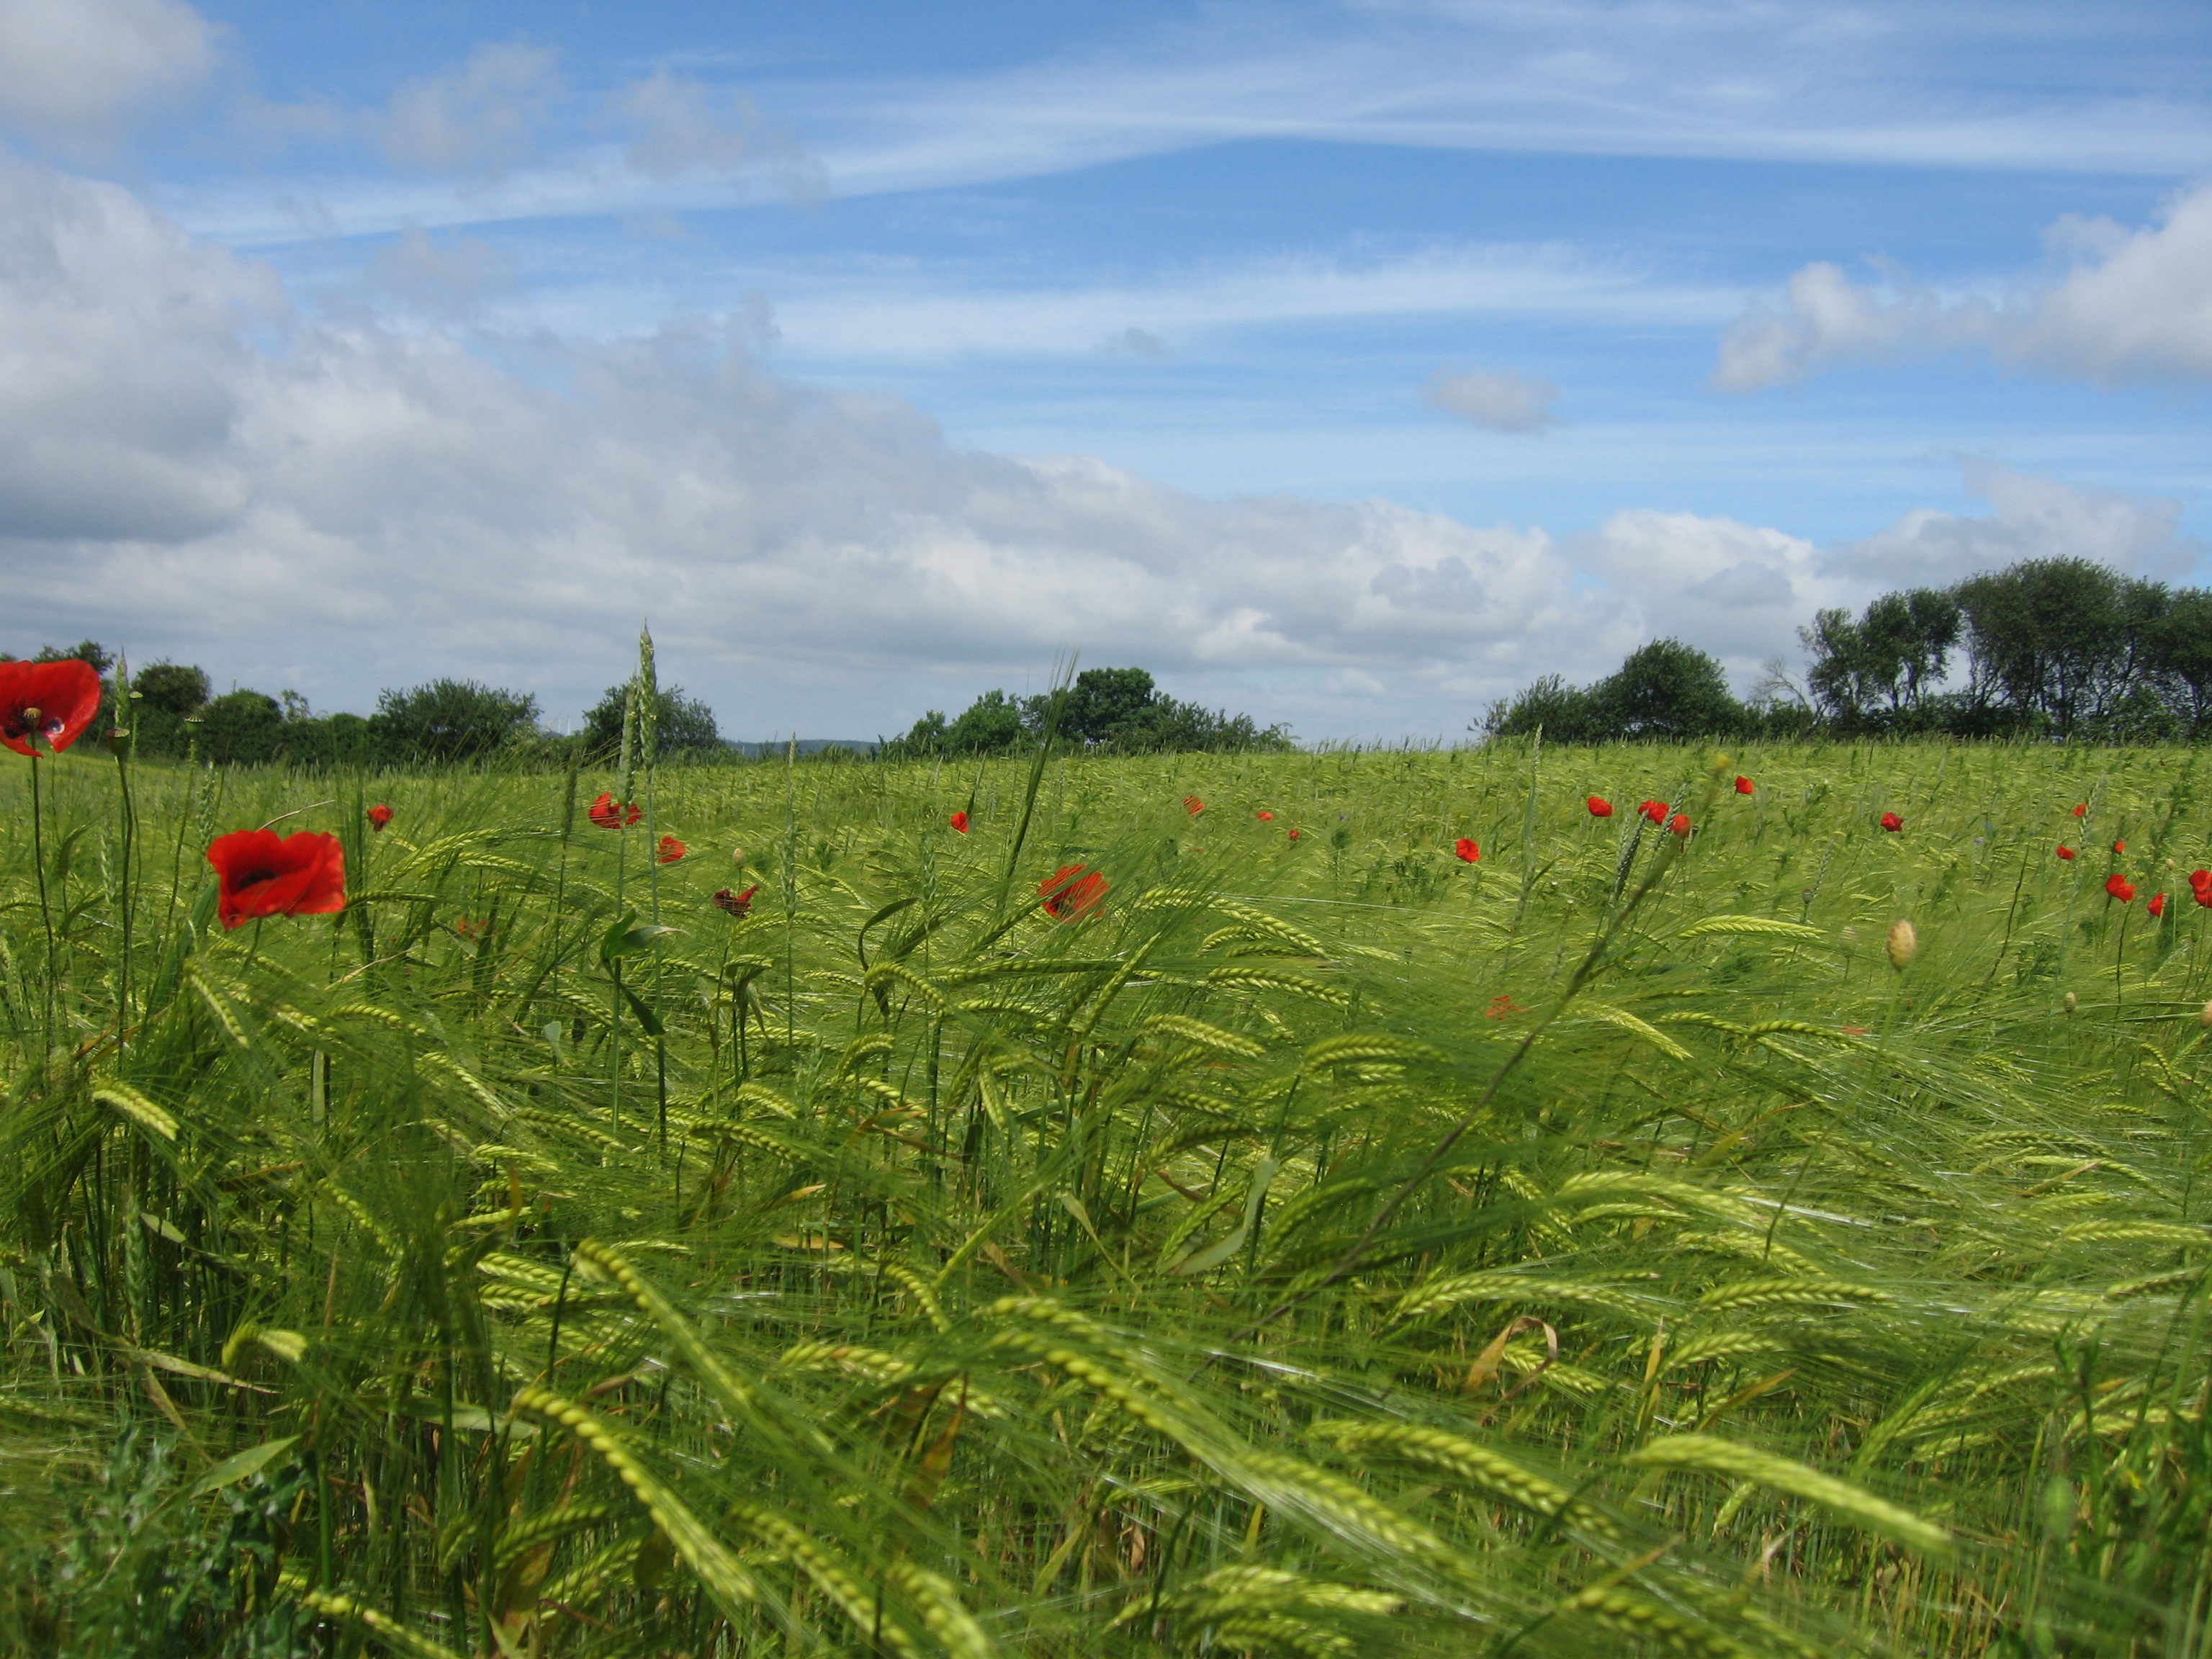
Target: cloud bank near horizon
{"x": 191, "y": 466}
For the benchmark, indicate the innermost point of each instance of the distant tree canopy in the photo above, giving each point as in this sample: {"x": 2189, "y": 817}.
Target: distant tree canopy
{"x": 1109, "y": 710}
{"x": 451, "y": 719}
{"x": 686, "y": 725}
{"x": 2060, "y": 647}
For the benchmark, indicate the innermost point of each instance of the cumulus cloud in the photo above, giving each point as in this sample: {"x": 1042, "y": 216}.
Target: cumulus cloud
{"x": 2131, "y": 304}
{"x": 2034, "y": 517}
{"x": 72, "y": 70}
{"x": 1141, "y": 342}
{"x": 1736, "y": 590}
{"x": 382, "y": 503}
{"x": 479, "y": 119}
{"x": 1500, "y": 402}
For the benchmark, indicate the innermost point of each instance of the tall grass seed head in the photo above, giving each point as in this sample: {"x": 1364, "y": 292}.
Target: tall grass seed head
{"x": 1902, "y": 945}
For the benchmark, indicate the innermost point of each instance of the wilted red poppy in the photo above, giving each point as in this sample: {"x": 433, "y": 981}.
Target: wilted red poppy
{"x": 670, "y": 851}
{"x": 2065, "y": 851}
{"x": 608, "y": 815}
{"x": 1468, "y": 851}
{"x": 2157, "y": 905}
{"x": 1600, "y": 807}
{"x": 959, "y": 821}
{"x": 53, "y": 701}
{"x": 2120, "y": 888}
{"x": 2082, "y": 811}
{"x": 1892, "y": 822}
{"x": 261, "y": 873}
{"x": 736, "y": 904}
{"x": 1679, "y": 824}
{"x": 1743, "y": 786}
{"x": 1653, "y": 810}
{"x": 379, "y": 816}
{"x": 1265, "y": 817}
{"x": 1071, "y": 892}
{"x": 1193, "y": 804}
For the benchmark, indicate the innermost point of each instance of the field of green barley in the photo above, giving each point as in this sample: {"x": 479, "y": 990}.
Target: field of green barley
{"x": 1300, "y": 1240}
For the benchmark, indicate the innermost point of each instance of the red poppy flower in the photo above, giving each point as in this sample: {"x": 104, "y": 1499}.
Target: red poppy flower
{"x": 736, "y": 904}
{"x": 2082, "y": 811}
{"x": 379, "y": 816}
{"x": 1468, "y": 851}
{"x": 1503, "y": 1006}
{"x": 1071, "y": 892}
{"x": 608, "y": 815}
{"x": 2200, "y": 878}
{"x": 1193, "y": 804}
{"x": 1266, "y": 817}
{"x": 2119, "y": 847}
{"x": 2203, "y": 896}
{"x": 1653, "y": 810}
{"x": 1600, "y": 807}
{"x": 1294, "y": 834}
{"x": 959, "y": 821}
{"x": 2120, "y": 888}
{"x": 468, "y": 929}
{"x": 55, "y": 701}
{"x": 2157, "y": 905}
{"x": 1679, "y": 824}
{"x": 1743, "y": 786}
{"x": 2065, "y": 851}
{"x": 670, "y": 851}
{"x": 262, "y": 873}
{"x": 1892, "y": 822}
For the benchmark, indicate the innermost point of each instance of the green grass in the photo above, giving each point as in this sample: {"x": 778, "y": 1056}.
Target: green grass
{"x": 1326, "y": 1248}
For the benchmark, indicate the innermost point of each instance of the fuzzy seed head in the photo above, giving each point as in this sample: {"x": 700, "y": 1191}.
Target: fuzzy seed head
{"x": 1902, "y": 945}
{"x": 2068, "y": 1002}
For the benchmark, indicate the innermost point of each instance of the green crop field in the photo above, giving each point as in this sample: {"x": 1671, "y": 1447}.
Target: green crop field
{"x": 1624, "y": 1242}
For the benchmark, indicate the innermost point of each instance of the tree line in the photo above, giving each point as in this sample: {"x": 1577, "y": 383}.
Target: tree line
{"x": 2063, "y": 648}
{"x": 174, "y": 711}
{"x": 1117, "y": 711}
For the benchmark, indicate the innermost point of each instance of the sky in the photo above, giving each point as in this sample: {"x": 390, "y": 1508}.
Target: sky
{"x": 1344, "y": 364}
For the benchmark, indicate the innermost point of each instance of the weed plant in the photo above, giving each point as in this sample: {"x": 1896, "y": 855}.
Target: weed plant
{"x": 1317, "y": 1246}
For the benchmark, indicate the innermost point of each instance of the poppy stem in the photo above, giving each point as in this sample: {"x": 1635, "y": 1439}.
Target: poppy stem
{"x": 45, "y": 910}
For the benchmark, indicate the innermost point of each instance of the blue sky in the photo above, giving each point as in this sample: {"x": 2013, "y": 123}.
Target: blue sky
{"x": 1347, "y": 364}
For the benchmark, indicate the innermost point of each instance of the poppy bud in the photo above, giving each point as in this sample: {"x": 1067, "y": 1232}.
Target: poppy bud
{"x": 1848, "y": 938}
{"x": 2067, "y": 1002}
{"x": 2208, "y": 1014}
{"x": 1902, "y": 945}
{"x": 737, "y": 855}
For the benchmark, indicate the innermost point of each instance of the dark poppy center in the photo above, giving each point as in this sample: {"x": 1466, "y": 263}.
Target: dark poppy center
{"x": 247, "y": 879}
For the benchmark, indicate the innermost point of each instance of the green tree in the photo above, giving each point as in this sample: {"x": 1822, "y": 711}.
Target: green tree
{"x": 2180, "y": 647}
{"x": 1669, "y": 689}
{"x": 1563, "y": 713}
{"x": 992, "y": 725}
{"x": 687, "y": 724}
{"x": 450, "y": 720}
{"x": 241, "y": 728}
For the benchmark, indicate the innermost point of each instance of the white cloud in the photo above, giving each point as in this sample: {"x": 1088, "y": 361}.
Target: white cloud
{"x": 72, "y": 70}
{"x": 1506, "y": 402}
{"x": 187, "y": 467}
{"x": 380, "y": 505}
{"x": 2034, "y": 517}
{"x": 680, "y": 127}
{"x": 481, "y": 119}
{"x": 1736, "y": 590}
{"x": 2132, "y": 305}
